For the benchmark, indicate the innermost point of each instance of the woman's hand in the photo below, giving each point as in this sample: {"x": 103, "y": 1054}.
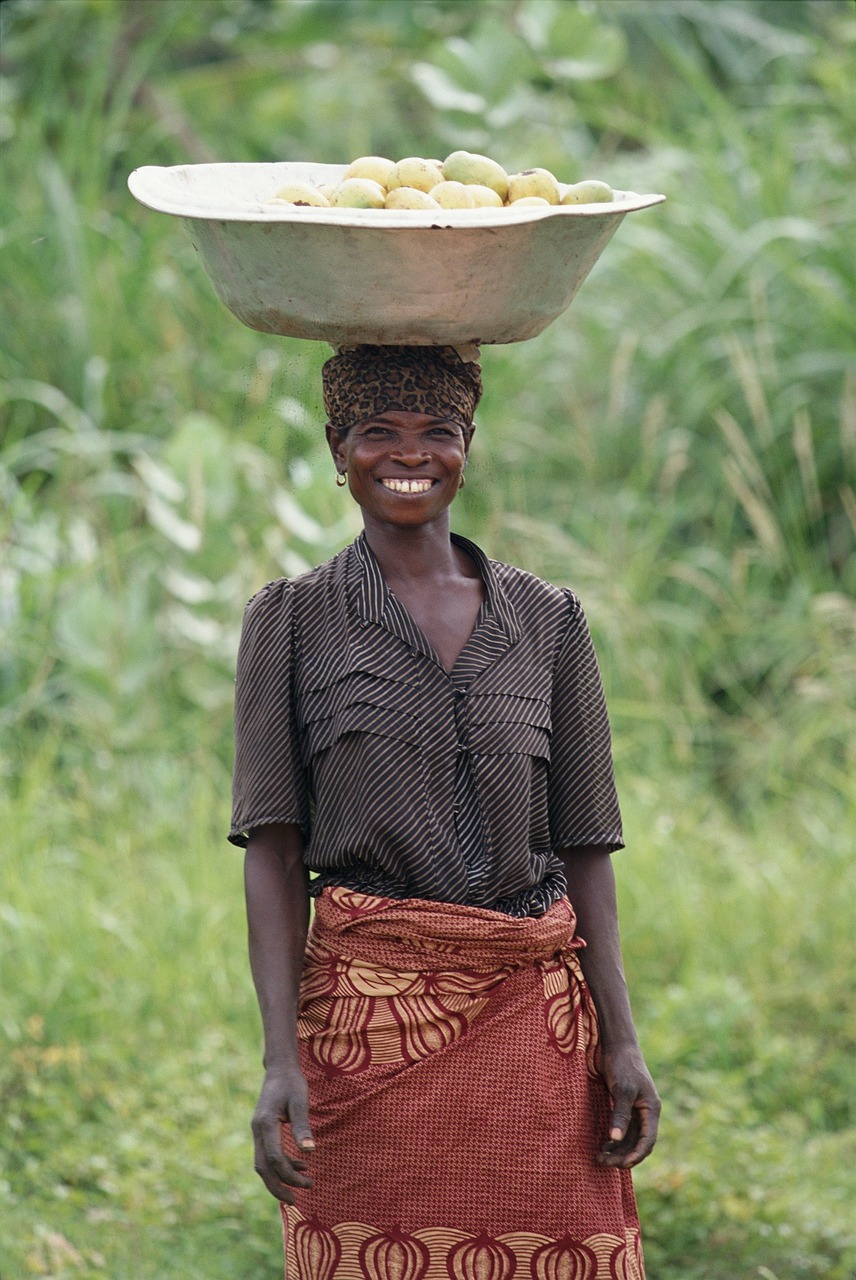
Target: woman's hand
{"x": 635, "y": 1104}
{"x": 278, "y": 917}
{"x": 284, "y": 1099}
{"x": 635, "y": 1108}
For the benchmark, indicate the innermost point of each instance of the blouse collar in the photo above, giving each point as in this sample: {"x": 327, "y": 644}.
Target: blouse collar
{"x": 374, "y": 600}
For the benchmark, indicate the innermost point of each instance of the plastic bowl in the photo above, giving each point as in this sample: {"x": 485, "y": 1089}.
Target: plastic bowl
{"x": 374, "y": 275}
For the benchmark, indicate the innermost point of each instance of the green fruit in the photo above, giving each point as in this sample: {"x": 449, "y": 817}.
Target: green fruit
{"x": 533, "y": 182}
{"x": 301, "y": 193}
{"x": 416, "y": 172}
{"x": 473, "y": 169}
{"x": 531, "y": 202}
{"x": 409, "y": 198}
{"x": 375, "y": 167}
{"x": 484, "y": 197}
{"x": 358, "y": 193}
{"x": 452, "y": 195}
{"x": 589, "y": 192}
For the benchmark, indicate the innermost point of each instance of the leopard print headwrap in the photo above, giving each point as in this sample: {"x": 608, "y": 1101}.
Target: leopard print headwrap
{"x": 363, "y": 382}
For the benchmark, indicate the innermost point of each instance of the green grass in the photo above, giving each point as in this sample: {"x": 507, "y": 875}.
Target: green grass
{"x": 131, "y": 1037}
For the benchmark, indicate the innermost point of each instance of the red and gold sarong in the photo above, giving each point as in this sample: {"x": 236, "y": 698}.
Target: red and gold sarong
{"x": 451, "y": 1054}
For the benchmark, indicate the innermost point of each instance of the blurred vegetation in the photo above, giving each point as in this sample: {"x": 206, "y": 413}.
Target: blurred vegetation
{"x": 680, "y": 447}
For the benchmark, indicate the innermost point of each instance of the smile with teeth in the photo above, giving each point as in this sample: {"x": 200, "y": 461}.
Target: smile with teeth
{"x": 421, "y": 485}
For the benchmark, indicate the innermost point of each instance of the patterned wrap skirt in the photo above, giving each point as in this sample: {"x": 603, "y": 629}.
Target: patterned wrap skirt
{"x": 451, "y": 1054}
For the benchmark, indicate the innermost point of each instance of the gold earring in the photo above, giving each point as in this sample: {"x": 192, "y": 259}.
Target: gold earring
{"x": 341, "y": 479}
{"x": 463, "y": 480}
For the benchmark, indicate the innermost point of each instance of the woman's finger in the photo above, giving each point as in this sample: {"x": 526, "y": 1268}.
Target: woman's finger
{"x": 648, "y": 1120}
{"x": 622, "y": 1112}
{"x": 278, "y": 1173}
{"x": 298, "y": 1116}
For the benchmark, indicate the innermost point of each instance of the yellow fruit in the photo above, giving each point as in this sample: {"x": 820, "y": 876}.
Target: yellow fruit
{"x": 375, "y": 167}
{"x": 409, "y": 198}
{"x": 452, "y": 195}
{"x": 300, "y": 193}
{"x": 589, "y": 192}
{"x": 533, "y": 182}
{"x": 531, "y": 202}
{"x": 484, "y": 197}
{"x": 416, "y": 172}
{"x": 472, "y": 169}
{"x": 358, "y": 193}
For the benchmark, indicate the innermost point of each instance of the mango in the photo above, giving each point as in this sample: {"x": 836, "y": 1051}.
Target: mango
{"x": 413, "y": 171}
{"x": 472, "y": 169}
{"x": 300, "y": 193}
{"x": 358, "y": 193}
{"x": 531, "y": 202}
{"x": 533, "y": 182}
{"x": 409, "y": 198}
{"x": 589, "y": 192}
{"x": 378, "y": 168}
{"x": 452, "y": 195}
{"x": 484, "y": 197}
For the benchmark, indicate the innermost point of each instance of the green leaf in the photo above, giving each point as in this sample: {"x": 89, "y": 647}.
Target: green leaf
{"x": 572, "y": 43}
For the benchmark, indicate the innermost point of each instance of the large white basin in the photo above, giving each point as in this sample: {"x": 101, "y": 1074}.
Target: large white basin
{"x": 374, "y": 275}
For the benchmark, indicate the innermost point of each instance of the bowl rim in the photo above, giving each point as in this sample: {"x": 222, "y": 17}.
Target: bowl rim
{"x": 154, "y": 187}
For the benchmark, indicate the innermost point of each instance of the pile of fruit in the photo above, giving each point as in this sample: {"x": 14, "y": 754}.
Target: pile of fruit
{"x": 463, "y": 180}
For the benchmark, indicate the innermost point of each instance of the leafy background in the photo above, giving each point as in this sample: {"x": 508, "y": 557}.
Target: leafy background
{"x": 680, "y": 447}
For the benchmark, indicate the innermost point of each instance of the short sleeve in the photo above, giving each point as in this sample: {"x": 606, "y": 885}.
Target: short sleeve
{"x": 268, "y": 781}
{"x": 583, "y": 804}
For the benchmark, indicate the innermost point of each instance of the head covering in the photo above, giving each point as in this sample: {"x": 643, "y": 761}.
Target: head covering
{"x": 364, "y": 382}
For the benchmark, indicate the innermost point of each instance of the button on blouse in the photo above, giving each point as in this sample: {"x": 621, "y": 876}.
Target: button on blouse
{"x": 410, "y": 781}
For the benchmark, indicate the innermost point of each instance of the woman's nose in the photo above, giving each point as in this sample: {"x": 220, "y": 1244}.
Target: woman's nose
{"x": 410, "y": 454}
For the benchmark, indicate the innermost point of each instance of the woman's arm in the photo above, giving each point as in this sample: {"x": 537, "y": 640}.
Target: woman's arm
{"x": 636, "y": 1106}
{"x": 276, "y": 883}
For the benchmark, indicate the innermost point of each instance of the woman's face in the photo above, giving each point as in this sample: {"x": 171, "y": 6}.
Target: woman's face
{"x": 403, "y": 468}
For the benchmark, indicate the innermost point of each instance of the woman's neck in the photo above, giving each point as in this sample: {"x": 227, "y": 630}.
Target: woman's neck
{"x": 423, "y": 553}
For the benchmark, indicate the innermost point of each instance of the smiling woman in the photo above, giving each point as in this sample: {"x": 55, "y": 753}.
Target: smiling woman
{"x": 422, "y": 731}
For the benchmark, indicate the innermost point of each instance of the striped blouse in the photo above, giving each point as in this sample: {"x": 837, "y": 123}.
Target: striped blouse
{"x": 409, "y": 781}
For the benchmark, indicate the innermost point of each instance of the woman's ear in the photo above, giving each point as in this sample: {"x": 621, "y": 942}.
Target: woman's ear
{"x": 468, "y": 438}
{"x": 336, "y": 443}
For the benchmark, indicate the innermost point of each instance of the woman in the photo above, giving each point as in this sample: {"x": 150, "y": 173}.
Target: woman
{"x": 423, "y": 731}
